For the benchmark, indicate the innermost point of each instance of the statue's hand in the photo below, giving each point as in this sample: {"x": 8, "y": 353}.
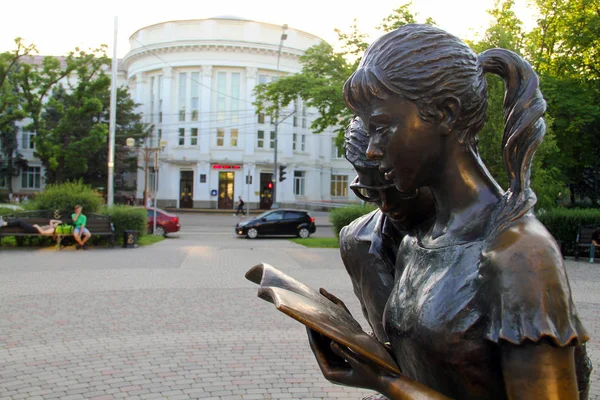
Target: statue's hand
{"x": 342, "y": 366}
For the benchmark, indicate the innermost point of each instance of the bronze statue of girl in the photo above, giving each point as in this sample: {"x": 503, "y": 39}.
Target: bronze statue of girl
{"x": 481, "y": 307}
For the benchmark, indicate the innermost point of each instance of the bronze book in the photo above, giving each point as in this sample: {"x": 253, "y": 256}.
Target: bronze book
{"x": 308, "y": 306}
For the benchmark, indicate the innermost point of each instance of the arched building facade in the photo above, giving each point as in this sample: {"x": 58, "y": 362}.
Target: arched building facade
{"x": 194, "y": 80}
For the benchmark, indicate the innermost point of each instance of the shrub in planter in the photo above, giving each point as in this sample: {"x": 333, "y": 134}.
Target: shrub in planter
{"x": 564, "y": 223}
{"x": 64, "y": 196}
{"x": 341, "y": 217}
{"x": 127, "y": 218}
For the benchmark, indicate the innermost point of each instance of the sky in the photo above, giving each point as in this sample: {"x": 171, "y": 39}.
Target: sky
{"x": 58, "y": 26}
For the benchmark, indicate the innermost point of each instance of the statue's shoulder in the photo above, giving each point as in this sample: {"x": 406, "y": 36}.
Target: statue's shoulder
{"x": 527, "y": 243}
{"x": 361, "y": 229}
{"x": 526, "y": 287}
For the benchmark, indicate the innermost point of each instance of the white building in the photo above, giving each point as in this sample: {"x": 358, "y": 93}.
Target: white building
{"x": 195, "y": 81}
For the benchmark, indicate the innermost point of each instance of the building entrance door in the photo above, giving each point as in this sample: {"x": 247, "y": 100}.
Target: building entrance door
{"x": 266, "y": 191}
{"x": 186, "y": 189}
{"x": 226, "y": 186}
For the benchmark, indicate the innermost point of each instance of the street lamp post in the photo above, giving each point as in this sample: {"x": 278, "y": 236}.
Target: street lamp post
{"x": 149, "y": 152}
{"x": 277, "y": 122}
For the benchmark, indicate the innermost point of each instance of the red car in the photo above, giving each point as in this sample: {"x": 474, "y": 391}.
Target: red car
{"x": 165, "y": 222}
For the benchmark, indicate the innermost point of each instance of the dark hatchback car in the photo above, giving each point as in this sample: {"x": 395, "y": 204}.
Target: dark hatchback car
{"x": 278, "y": 222}
{"x": 165, "y": 222}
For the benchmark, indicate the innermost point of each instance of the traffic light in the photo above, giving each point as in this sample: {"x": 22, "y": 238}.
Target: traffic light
{"x": 282, "y": 173}
{"x": 270, "y": 185}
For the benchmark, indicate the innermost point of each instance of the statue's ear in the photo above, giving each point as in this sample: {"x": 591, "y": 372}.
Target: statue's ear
{"x": 448, "y": 110}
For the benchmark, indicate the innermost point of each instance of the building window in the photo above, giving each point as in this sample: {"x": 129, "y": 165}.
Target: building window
{"x": 3, "y": 181}
{"x": 30, "y": 178}
{"x": 296, "y": 111}
{"x": 221, "y": 99}
{"x": 335, "y": 150}
{"x": 220, "y": 137}
{"x": 234, "y": 95}
{"x": 303, "y": 116}
{"x": 194, "y": 139}
{"x": 160, "y": 97}
{"x": 182, "y": 95}
{"x": 159, "y": 135}
{"x": 181, "y": 136}
{"x": 202, "y": 178}
{"x": 339, "y": 185}
{"x": 260, "y": 139}
{"x": 28, "y": 141}
{"x": 152, "y": 180}
{"x": 303, "y": 143}
{"x": 195, "y": 95}
{"x": 272, "y": 141}
{"x": 299, "y": 183}
{"x": 234, "y": 137}
{"x": 261, "y": 118}
{"x": 294, "y": 141}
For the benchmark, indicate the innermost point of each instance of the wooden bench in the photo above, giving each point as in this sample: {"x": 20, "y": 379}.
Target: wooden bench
{"x": 584, "y": 239}
{"x": 97, "y": 224}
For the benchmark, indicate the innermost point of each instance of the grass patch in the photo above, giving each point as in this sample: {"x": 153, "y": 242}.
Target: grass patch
{"x": 328, "y": 243}
{"x": 147, "y": 240}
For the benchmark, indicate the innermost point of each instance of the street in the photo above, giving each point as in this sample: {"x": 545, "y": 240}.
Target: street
{"x": 178, "y": 320}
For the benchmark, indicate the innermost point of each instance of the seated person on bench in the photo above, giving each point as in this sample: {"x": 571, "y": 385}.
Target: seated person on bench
{"x": 595, "y": 243}
{"x": 46, "y": 230}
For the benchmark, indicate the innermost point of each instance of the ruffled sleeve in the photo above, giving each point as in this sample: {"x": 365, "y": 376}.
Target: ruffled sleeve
{"x": 529, "y": 297}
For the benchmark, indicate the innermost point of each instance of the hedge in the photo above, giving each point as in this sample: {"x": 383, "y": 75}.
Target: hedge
{"x": 64, "y": 196}
{"x": 127, "y": 218}
{"x": 341, "y": 217}
{"x": 564, "y": 223}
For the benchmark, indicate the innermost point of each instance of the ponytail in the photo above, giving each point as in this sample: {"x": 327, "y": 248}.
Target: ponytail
{"x": 524, "y": 130}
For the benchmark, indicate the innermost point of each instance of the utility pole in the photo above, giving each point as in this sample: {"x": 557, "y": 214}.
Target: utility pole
{"x": 149, "y": 153}
{"x": 277, "y": 122}
{"x": 110, "y": 196}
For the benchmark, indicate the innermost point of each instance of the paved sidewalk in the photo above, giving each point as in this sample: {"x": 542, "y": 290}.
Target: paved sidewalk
{"x": 177, "y": 320}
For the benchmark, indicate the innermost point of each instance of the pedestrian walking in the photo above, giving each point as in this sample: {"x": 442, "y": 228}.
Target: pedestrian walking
{"x": 240, "y": 207}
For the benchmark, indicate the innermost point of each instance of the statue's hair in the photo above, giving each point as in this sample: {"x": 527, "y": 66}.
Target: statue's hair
{"x": 524, "y": 129}
{"x": 427, "y": 65}
{"x": 356, "y": 142}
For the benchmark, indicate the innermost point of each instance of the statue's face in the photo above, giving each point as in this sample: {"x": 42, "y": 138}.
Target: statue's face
{"x": 408, "y": 149}
{"x": 374, "y": 188}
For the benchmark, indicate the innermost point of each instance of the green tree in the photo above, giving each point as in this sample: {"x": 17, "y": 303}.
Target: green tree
{"x": 11, "y": 161}
{"x": 506, "y": 32}
{"x": 73, "y": 128}
{"x": 324, "y": 72}
{"x": 565, "y": 50}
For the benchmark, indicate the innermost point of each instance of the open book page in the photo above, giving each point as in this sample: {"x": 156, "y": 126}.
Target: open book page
{"x": 309, "y": 307}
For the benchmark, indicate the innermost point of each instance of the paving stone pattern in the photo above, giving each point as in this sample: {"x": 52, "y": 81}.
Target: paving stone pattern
{"x": 177, "y": 320}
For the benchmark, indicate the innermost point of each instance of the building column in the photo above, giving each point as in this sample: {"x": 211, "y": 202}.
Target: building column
{"x": 169, "y": 116}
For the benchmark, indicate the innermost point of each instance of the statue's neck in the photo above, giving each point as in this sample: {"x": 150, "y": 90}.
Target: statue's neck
{"x": 466, "y": 196}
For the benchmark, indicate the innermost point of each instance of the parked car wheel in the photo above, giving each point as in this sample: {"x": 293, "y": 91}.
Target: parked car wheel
{"x": 252, "y": 233}
{"x": 160, "y": 231}
{"x": 303, "y": 233}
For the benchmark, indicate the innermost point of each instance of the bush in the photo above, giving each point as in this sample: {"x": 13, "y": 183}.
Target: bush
{"x": 64, "y": 196}
{"x": 340, "y": 217}
{"x": 127, "y": 218}
{"x": 564, "y": 223}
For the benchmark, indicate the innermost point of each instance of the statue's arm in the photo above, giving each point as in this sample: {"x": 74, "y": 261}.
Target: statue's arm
{"x": 539, "y": 371}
